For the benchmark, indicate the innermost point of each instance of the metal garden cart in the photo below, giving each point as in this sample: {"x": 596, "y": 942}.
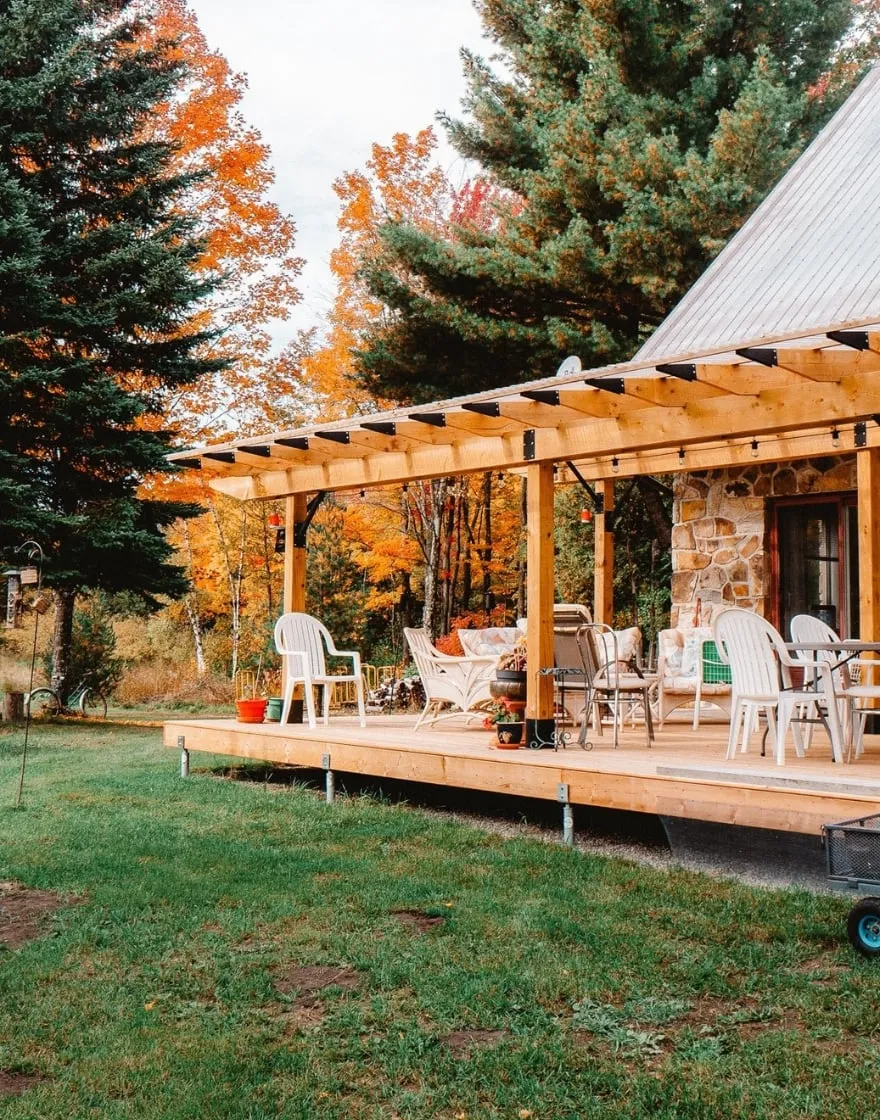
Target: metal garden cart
{"x": 853, "y": 852}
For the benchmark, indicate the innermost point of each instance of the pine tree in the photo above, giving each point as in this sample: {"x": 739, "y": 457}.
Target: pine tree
{"x": 639, "y": 135}
{"x": 108, "y": 331}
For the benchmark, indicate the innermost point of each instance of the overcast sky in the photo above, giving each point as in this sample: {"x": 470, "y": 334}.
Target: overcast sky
{"x": 327, "y": 78}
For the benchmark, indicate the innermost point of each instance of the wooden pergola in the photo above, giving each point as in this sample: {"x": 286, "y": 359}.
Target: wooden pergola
{"x": 775, "y": 398}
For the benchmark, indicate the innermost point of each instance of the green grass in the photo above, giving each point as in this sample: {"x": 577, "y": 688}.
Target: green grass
{"x": 621, "y": 991}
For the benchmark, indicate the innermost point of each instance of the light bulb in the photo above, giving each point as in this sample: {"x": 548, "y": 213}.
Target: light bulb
{"x": 754, "y": 449}
{"x": 835, "y": 438}
{"x": 615, "y": 465}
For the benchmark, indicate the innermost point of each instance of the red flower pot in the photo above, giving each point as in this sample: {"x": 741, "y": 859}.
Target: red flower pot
{"x": 251, "y": 711}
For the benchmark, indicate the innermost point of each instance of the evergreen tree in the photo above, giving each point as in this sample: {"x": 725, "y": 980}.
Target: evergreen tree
{"x": 97, "y": 300}
{"x": 639, "y": 134}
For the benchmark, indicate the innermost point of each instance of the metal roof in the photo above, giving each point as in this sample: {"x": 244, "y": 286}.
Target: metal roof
{"x": 809, "y": 255}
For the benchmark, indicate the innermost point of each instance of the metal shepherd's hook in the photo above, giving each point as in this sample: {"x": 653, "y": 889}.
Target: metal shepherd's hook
{"x": 34, "y": 554}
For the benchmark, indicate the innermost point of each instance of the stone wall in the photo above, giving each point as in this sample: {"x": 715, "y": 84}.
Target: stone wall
{"x": 720, "y": 528}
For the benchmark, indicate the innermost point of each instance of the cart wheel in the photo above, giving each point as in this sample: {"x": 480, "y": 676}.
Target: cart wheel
{"x": 863, "y": 927}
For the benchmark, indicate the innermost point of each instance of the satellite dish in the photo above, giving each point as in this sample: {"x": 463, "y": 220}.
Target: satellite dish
{"x": 570, "y": 365}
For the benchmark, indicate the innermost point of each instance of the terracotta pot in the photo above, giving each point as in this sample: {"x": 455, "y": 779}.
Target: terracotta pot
{"x": 509, "y": 735}
{"x": 251, "y": 711}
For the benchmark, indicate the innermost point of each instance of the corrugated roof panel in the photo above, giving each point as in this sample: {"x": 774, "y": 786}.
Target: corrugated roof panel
{"x": 809, "y": 255}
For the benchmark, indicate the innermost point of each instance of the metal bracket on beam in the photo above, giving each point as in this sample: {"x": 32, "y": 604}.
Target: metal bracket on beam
{"x": 435, "y": 419}
{"x": 383, "y": 427}
{"x": 189, "y": 464}
{"x": 762, "y": 355}
{"x": 860, "y": 433}
{"x": 483, "y": 408}
{"x": 858, "y": 340}
{"x": 542, "y": 396}
{"x": 684, "y": 371}
{"x": 301, "y": 528}
{"x": 220, "y": 456}
{"x": 529, "y": 444}
{"x": 335, "y": 437}
{"x": 609, "y": 384}
{"x": 301, "y": 443}
{"x": 261, "y": 449}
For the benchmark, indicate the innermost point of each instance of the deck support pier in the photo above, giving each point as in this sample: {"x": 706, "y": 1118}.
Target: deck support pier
{"x": 539, "y": 607}
{"x": 603, "y": 571}
{"x": 567, "y": 815}
{"x": 329, "y": 780}
{"x": 184, "y": 756}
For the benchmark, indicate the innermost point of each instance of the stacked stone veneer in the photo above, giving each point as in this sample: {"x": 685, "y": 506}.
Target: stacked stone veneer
{"x": 721, "y": 523}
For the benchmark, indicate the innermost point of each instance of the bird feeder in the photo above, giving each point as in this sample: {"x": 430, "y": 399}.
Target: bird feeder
{"x": 30, "y": 576}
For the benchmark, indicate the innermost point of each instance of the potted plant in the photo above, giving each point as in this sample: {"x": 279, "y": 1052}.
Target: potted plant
{"x": 251, "y": 708}
{"x": 508, "y": 725}
{"x": 510, "y": 675}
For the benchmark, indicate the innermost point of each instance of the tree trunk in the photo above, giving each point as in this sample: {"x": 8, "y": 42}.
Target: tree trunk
{"x": 191, "y": 603}
{"x": 62, "y": 641}
{"x": 486, "y": 555}
{"x": 12, "y": 709}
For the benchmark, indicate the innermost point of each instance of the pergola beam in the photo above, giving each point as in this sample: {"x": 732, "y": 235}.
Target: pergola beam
{"x": 654, "y": 429}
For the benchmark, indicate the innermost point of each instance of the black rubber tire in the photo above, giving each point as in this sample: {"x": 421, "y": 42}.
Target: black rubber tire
{"x": 93, "y": 705}
{"x": 863, "y": 927}
{"x": 43, "y": 702}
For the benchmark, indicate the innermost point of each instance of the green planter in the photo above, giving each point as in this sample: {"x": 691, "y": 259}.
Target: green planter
{"x": 273, "y": 709}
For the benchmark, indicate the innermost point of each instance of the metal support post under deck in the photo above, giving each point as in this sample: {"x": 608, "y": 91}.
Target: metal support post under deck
{"x": 184, "y": 756}
{"x": 567, "y": 815}
{"x": 329, "y": 780}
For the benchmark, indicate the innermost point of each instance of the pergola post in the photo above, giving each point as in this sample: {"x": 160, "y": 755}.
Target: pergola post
{"x": 603, "y": 569}
{"x": 540, "y": 591}
{"x": 868, "y": 481}
{"x": 294, "y": 592}
{"x": 294, "y": 558}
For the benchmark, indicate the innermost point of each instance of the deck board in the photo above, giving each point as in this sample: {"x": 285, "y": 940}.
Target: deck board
{"x": 685, "y": 774}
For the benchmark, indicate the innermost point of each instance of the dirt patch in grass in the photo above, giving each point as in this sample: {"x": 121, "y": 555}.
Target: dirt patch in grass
{"x": 14, "y": 1084}
{"x": 418, "y": 920}
{"x": 309, "y": 980}
{"x": 302, "y": 1018}
{"x": 24, "y": 913}
{"x": 460, "y": 1044}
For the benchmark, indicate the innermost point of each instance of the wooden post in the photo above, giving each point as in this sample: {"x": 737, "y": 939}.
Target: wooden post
{"x": 540, "y": 587}
{"x": 868, "y": 481}
{"x": 294, "y": 595}
{"x": 294, "y": 558}
{"x": 603, "y": 571}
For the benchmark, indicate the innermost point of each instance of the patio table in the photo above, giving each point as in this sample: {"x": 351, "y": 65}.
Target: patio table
{"x": 846, "y": 649}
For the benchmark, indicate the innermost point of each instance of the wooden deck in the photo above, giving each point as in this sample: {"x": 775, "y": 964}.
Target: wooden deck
{"x": 685, "y": 774}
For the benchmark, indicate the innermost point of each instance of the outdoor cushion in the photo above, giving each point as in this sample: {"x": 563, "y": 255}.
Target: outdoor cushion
{"x": 492, "y": 641}
{"x": 628, "y": 643}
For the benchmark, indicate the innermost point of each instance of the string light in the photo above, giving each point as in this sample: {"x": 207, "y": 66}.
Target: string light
{"x": 615, "y": 465}
{"x": 363, "y": 493}
{"x": 754, "y": 449}
{"x": 681, "y": 455}
{"x": 835, "y": 438}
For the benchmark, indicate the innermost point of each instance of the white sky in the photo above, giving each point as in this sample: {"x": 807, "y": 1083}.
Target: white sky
{"x": 327, "y": 78}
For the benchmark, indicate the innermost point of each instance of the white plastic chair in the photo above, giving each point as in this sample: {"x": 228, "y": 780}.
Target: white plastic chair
{"x": 302, "y": 641}
{"x": 758, "y": 659}
{"x": 849, "y": 686}
{"x": 459, "y": 681}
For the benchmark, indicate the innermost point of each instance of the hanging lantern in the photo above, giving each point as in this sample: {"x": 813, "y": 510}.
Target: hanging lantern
{"x": 273, "y": 520}
{"x": 586, "y": 515}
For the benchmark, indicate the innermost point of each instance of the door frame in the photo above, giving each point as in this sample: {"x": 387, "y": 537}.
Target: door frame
{"x": 843, "y": 499}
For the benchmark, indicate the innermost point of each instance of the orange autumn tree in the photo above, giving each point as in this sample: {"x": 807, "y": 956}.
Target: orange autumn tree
{"x": 247, "y": 237}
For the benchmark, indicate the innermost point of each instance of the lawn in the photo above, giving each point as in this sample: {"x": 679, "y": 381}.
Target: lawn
{"x": 235, "y": 950}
